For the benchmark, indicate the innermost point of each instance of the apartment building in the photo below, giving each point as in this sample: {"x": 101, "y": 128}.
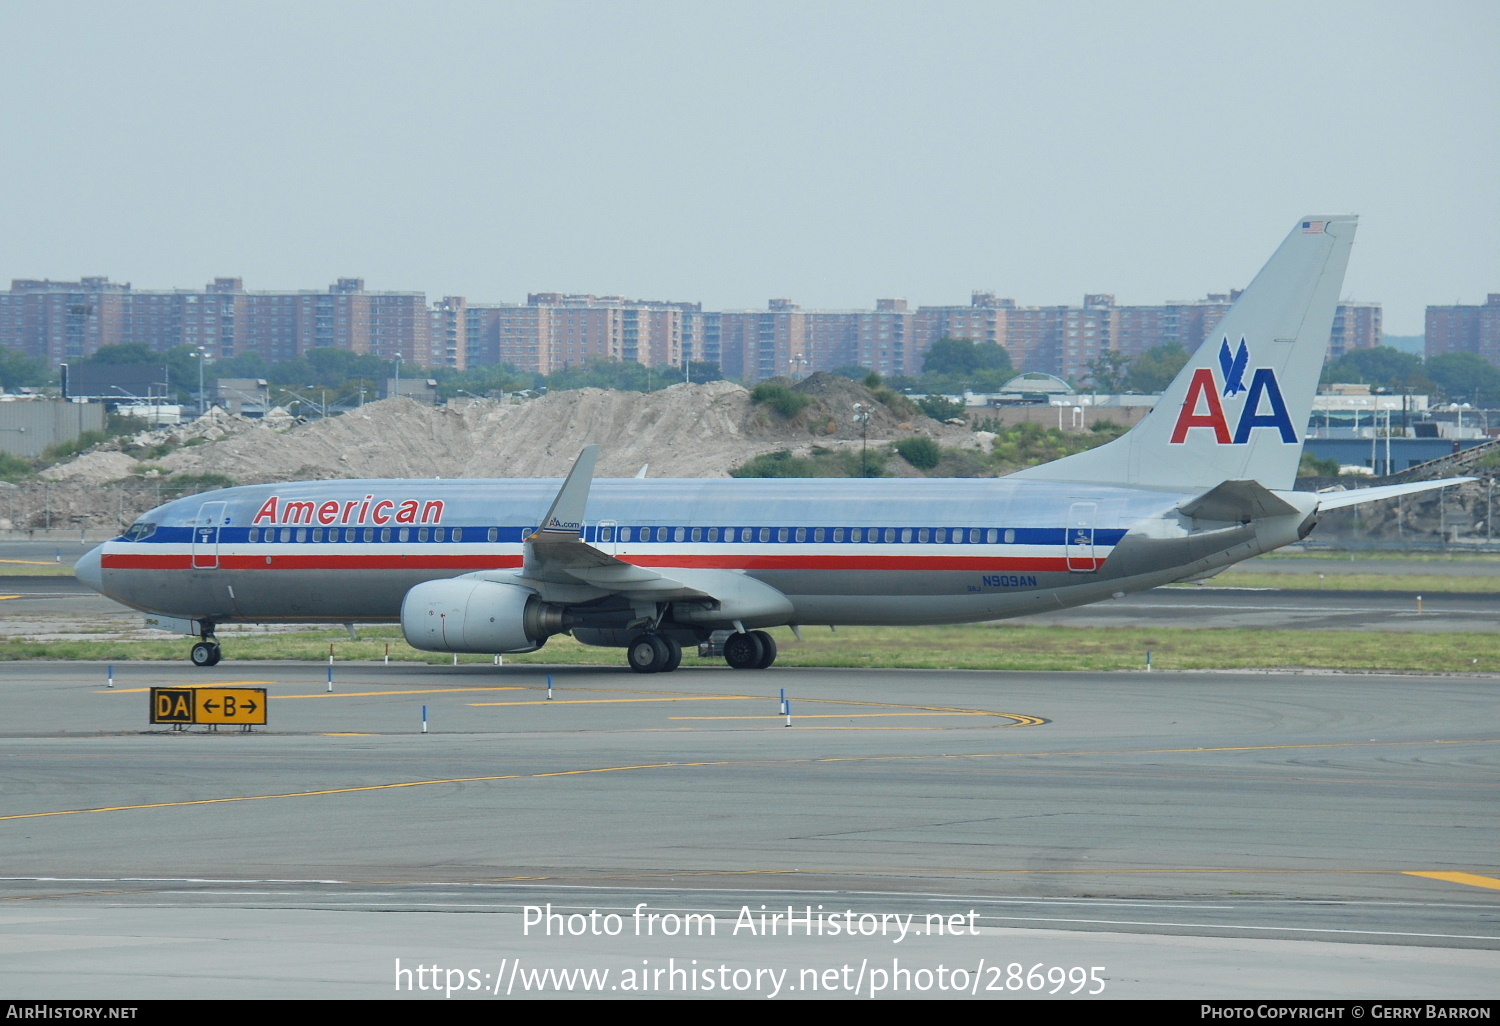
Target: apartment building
{"x": 1465, "y": 329}
{"x": 554, "y": 330}
{"x": 67, "y": 321}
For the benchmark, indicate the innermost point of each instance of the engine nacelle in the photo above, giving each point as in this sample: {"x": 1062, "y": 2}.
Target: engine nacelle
{"x": 471, "y": 615}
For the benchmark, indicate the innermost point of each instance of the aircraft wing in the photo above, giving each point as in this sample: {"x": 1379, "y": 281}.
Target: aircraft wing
{"x": 1354, "y": 497}
{"x": 556, "y": 554}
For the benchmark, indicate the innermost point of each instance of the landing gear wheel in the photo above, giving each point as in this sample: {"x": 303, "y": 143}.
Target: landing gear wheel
{"x": 674, "y": 657}
{"x": 768, "y": 650}
{"x": 649, "y": 653}
{"x": 744, "y": 651}
{"x": 206, "y": 653}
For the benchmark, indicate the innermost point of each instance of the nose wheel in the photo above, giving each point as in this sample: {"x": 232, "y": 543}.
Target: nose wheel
{"x": 206, "y": 653}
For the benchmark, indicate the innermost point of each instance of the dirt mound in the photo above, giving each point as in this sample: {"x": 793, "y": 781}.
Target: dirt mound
{"x": 98, "y": 467}
{"x": 683, "y": 431}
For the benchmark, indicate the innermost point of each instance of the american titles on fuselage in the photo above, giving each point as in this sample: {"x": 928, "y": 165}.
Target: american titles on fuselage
{"x": 368, "y": 510}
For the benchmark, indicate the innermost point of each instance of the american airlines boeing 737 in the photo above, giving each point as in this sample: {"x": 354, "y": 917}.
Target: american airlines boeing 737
{"x": 492, "y": 566}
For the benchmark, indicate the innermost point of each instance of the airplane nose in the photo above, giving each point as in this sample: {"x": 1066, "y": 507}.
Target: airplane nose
{"x": 88, "y": 569}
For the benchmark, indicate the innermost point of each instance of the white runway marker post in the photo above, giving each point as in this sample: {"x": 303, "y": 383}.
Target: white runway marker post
{"x": 330, "y": 678}
{"x": 111, "y": 675}
{"x": 788, "y": 707}
{"x": 424, "y": 719}
{"x": 549, "y": 687}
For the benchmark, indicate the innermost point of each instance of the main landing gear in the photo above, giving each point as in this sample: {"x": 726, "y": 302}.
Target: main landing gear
{"x": 753, "y": 651}
{"x": 652, "y": 653}
{"x": 656, "y": 653}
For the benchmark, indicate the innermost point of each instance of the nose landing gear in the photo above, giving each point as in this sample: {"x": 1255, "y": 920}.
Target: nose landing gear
{"x": 207, "y": 651}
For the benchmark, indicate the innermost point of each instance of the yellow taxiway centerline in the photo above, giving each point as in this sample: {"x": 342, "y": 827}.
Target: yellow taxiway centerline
{"x": 829, "y": 716}
{"x": 1470, "y": 879}
{"x": 727, "y": 762}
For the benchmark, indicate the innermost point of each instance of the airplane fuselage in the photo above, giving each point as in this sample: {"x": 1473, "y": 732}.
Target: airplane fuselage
{"x": 865, "y": 552}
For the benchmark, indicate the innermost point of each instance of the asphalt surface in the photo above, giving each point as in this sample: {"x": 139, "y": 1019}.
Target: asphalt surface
{"x": 1196, "y": 835}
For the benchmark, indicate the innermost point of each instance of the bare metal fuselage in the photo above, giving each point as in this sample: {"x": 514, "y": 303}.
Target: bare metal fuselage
{"x": 860, "y": 552}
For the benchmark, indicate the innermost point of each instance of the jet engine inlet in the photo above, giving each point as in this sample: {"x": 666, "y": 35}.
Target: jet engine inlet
{"x": 467, "y": 615}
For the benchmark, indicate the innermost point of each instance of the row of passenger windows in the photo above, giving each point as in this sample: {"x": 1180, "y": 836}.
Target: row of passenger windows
{"x": 607, "y": 533}
{"x": 923, "y": 535}
{"x": 368, "y": 534}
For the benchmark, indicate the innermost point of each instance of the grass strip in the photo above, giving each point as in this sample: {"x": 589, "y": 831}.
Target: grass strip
{"x": 1420, "y": 584}
{"x": 975, "y": 646}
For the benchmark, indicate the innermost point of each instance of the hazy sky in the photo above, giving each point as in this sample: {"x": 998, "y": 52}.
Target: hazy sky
{"x": 730, "y": 152}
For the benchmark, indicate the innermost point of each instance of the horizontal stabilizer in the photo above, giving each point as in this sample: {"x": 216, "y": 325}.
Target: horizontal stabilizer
{"x": 1237, "y": 501}
{"x": 1339, "y": 500}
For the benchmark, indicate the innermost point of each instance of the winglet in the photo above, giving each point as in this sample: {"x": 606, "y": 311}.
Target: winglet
{"x": 564, "y": 520}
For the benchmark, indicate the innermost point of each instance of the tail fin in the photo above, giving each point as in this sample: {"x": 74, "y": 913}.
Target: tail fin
{"x": 1240, "y": 406}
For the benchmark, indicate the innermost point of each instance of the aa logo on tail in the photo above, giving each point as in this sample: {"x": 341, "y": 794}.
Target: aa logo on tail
{"x": 1203, "y": 407}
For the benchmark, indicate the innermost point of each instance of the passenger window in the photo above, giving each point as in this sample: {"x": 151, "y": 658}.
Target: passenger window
{"x": 857, "y": 534}
{"x": 992, "y": 536}
{"x": 781, "y": 534}
{"x": 301, "y": 535}
{"x": 458, "y": 534}
{"x": 818, "y": 534}
{"x": 385, "y": 534}
{"x": 838, "y": 534}
{"x": 317, "y": 534}
{"x": 421, "y": 534}
{"x": 801, "y": 534}
{"x": 439, "y": 534}
{"x": 624, "y": 534}
{"x": 403, "y": 534}
{"x": 906, "y": 534}
{"x": 254, "y": 534}
{"x": 713, "y": 534}
{"x": 922, "y": 534}
{"x": 606, "y": 534}
{"x": 697, "y": 534}
{"x": 679, "y": 534}
{"x": 1010, "y": 535}
{"x": 286, "y": 535}
{"x": 765, "y": 534}
{"x": 494, "y": 534}
{"x": 369, "y": 534}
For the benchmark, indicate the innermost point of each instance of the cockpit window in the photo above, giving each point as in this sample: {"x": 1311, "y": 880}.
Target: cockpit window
{"x": 139, "y": 531}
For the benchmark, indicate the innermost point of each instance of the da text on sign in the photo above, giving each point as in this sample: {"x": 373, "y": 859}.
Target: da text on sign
{"x": 244, "y": 707}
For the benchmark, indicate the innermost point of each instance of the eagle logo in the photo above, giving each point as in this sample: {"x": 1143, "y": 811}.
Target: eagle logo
{"x": 1233, "y": 366}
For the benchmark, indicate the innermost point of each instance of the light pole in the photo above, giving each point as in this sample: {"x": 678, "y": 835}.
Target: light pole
{"x": 862, "y": 415}
{"x": 199, "y": 353}
{"x": 398, "y": 374}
